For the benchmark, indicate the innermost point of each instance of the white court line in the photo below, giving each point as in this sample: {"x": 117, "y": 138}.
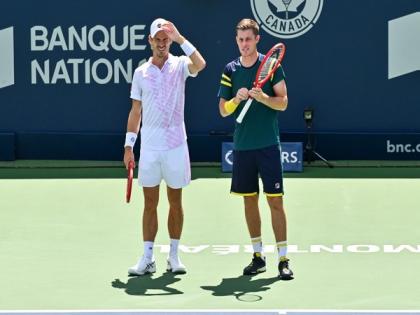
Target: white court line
{"x": 218, "y": 311}
{"x": 135, "y": 311}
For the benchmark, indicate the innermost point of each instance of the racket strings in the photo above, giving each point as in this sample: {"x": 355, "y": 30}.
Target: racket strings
{"x": 269, "y": 65}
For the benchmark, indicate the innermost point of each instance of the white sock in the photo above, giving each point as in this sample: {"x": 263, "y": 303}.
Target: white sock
{"x": 173, "y": 251}
{"x": 257, "y": 244}
{"x": 282, "y": 249}
{"x": 148, "y": 250}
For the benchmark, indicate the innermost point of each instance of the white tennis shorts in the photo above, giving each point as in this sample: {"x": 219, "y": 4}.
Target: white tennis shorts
{"x": 173, "y": 166}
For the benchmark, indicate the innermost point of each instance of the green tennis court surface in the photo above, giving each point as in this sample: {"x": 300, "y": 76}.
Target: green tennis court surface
{"x": 66, "y": 244}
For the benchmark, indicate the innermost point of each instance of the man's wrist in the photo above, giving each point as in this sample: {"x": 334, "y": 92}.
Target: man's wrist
{"x": 181, "y": 40}
{"x": 236, "y": 100}
{"x": 230, "y": 106}
{"x": 130, "y": 139}
{"x": 265, "y": 99}
{"x": 187, "y": 48}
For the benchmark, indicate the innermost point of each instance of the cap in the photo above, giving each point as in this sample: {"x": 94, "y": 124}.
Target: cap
{"x": 156, "y": 26}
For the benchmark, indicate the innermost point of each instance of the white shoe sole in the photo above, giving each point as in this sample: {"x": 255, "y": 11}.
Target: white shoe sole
{"x": 135, "y": 272}
{"x": 175, "y": 270}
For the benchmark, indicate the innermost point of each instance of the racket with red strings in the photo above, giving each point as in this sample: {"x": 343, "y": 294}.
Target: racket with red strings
{"x": 267, "y": 68}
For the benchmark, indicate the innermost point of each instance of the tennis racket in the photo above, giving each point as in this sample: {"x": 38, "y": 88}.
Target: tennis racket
{"x": 268, "y": 66}
{"x": 129, "y": 180}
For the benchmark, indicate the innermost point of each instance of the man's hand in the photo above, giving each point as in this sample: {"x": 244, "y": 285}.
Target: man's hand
{"x": 257, "y": 94}
{"x": 173, "y": 33}
{"x": 128, "y": 156}
{"x": 241, "y": 95}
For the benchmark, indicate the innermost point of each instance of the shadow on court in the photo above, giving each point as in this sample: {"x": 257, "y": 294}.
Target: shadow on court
{"x": 242, "y": 287}
{"x": 149, "y": 286}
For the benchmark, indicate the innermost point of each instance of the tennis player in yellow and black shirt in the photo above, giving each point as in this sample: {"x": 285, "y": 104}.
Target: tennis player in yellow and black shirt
{"x": 256, "y": 143}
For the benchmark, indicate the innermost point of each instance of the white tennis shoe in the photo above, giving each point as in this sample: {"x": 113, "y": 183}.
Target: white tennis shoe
{"x": 175, "y": 265}
{"x": 143, "y": 266}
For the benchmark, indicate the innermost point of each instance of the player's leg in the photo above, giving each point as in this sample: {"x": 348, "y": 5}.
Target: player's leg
{"x": 146, "y": 263}
{"x": 176, "y": 213}
{"x": 270, "y": 168}
{"x": 149, "y": 177}
{"x": 245, "y": 183}
{"x": 253, "y": 220}
{"x": 252, "y": 216}
{"x": 279, "y": 223}
{"x": 176, "y": 170}
{"x": 150, "y": 218}
{"x": 175, "y": 224}
{"x": 278, "y": 218}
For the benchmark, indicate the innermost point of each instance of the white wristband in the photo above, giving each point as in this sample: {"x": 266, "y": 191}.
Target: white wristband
{"x": 188, "y": 48}
{"x": 130, "y": 139}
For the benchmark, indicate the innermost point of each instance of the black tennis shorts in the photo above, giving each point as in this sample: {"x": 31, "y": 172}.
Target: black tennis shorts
{"x": 248, "y": 164}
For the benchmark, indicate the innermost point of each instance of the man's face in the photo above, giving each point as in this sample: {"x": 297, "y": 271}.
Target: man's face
{"x": 247, "y": 42}
{"x": 160, "y": 44}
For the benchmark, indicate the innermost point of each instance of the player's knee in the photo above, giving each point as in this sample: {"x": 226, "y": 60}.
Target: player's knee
{"x": 150, "y": 210}
{"x": 150, "y": 203}
{"x": 275, "y": 203}
{"x": 176, "y": 208}
{"x": 251, "y": 200}
{"x": 175, "y": 199}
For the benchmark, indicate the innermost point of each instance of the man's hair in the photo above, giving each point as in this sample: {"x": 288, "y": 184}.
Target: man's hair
{"x": 248, "y": 24}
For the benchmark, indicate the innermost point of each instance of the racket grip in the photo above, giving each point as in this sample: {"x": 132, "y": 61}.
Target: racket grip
{"x": 244, "y": 110}
{"x": 131, "y": 164}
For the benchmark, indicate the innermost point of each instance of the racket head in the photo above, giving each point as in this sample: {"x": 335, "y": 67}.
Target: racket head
{"x": 271, "y": 62}
{"x": 130, "y": 174}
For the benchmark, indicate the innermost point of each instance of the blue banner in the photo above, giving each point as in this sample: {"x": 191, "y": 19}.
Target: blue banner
{"x": 75, "y": 66}
{"x": 291, "y": 156}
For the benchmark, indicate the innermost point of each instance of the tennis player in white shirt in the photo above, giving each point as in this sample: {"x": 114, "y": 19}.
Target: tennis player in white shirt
{"x": 158, "y": 97}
